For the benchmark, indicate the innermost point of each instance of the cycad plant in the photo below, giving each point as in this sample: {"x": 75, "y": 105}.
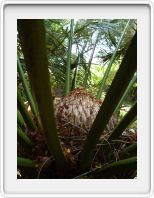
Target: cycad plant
{"x": 77, "y": 135}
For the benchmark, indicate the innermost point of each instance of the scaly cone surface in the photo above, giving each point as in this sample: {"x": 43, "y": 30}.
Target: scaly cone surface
{"x": 76, "y": 112}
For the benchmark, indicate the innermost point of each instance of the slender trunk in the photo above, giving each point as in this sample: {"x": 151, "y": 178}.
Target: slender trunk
{"x": 68, "y": 69}
{"x": 87, "y": 72}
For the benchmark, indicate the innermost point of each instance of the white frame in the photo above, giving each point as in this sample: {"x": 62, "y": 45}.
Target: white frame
{"x": 2, "y": 80}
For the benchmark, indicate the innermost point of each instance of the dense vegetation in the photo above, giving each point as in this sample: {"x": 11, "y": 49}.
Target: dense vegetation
{"x": 77, "y": 98}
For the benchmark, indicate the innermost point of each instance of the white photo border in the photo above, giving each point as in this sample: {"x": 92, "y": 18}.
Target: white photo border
{"x": 3, "y": 61}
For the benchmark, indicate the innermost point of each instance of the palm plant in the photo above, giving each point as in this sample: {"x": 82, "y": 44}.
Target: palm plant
{"x": 48, "y": 135}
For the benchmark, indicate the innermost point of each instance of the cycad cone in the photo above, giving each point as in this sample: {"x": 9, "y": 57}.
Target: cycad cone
{"x": 76, "y": 113}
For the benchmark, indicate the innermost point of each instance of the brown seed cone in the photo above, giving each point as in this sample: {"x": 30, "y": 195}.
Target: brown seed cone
{"x": 76, "y": 113}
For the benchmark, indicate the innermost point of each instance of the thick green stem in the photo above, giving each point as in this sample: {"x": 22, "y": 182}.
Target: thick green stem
{"x": 117, "y": 167}
{"x": 32, "y": 37}
{"x": 20, "y": 119}
{"x": 111, "y": 63}
{"x": 123, "y": 76}
{"x": 68, "y": 69}
{"x": 24, "y": 112}
{"x": 24, "y": 137}
{"x": 26, "y": 88}
{"x": 125, "y": 165}
{"x": 23, "y": 162}
{"x": 126, "y": 93}
{"x": 129, "y": 151}
{"x": 125, "y": 122}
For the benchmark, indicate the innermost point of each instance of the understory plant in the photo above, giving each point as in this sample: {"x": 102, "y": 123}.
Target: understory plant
{"x": 72, "y": 136}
